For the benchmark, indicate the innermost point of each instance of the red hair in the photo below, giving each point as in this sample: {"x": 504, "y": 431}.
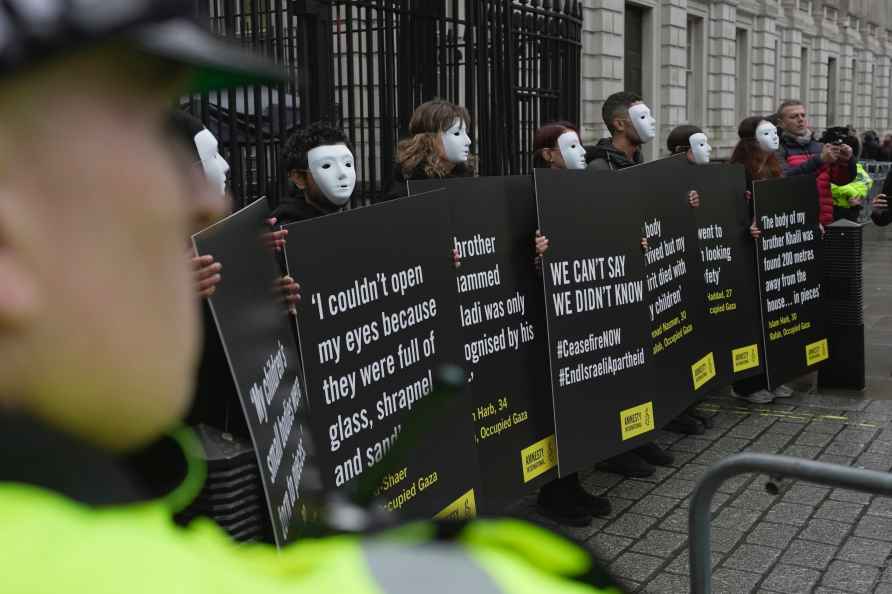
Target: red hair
{"x": 759, "y": 163}
{"x": 546, "y": 138}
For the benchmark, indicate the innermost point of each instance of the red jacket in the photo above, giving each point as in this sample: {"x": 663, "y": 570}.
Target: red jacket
{"x": 805, "y": 159}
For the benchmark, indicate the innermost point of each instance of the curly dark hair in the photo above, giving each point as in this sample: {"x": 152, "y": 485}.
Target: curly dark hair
{"x": 295, "y": 149}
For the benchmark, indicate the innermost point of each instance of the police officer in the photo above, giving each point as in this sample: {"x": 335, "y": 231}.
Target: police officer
{"x": 98, "y": 337}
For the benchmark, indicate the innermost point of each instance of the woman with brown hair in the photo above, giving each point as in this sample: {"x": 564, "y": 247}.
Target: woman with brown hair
{"x": 438, "y": 146}
{"x": 756, "y": 152}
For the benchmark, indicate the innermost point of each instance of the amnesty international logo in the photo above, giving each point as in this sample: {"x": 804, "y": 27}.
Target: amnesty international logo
{"x": 636, "y": 420}
{"x": 538, "y": 458}
{"x": 703, "y": 370}
{"x": 745, "y": 358}
{"x": 817, "y": 352}
{"x": 463, "y": 508}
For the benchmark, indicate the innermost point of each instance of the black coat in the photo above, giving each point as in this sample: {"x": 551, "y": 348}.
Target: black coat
{"x": 397, "y": 186}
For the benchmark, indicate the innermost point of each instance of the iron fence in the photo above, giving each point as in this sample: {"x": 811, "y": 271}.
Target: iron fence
{"x": 365, "y": 64}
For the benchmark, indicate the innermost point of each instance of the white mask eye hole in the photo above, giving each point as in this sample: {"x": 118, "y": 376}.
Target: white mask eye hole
{"x": 348, "y": 164}
{"x": 326, "y": 166}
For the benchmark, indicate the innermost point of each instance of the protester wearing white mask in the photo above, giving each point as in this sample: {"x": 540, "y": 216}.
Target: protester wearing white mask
{"x": 438, "y": 146}
{"x": 319, "y": 162}
{"x": 767, "y": 136}
{"x": 631, "y": 125}
{"x": 644, "y": 122}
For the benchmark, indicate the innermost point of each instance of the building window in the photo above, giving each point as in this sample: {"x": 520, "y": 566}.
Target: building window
{"x": 804, "y": 78}
{"x": 805, "y": 6}
{"x": 694, "y": 71}
{"x": 854, "y": 23}
{"x": 830, "y": 14}
{"x": 832, "y": 96}
{"x": 778, "y": 71}
{"x": 634, "y": 50}
{"x": 742, "y": 94}
{"x": 854, "y": 89}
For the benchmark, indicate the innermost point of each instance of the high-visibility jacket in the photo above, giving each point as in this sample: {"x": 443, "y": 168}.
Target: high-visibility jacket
{"x": 859, "y": 188}
{"x": 52, "y": 544}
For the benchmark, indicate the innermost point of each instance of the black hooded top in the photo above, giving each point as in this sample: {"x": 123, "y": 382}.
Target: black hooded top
{"x": 606, "y": 157}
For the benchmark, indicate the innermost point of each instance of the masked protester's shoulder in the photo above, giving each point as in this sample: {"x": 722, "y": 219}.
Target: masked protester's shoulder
{"x": 293, "y": 208}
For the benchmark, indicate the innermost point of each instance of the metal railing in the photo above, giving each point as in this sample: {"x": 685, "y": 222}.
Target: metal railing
{"x": 777, "y": 467}
{"x": 365, "y": 65}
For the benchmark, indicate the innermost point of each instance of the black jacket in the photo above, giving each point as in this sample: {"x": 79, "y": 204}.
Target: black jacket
{"x": 606, "y": 157}
{"x": 397, "y": 186}
{"x": 883, "y": 217}
{"x": 294, "y": 207}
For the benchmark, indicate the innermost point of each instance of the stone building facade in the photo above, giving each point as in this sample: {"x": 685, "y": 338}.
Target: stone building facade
{"x": 714, "y": 62}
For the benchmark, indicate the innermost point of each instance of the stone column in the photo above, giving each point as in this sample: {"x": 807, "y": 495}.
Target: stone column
{"x": 602, "y": 62}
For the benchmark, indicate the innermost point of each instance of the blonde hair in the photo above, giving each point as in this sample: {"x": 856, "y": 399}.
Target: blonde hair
{"x": 429, "y": 121}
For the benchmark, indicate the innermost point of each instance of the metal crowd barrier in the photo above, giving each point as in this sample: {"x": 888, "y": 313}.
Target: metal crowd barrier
{"x": 778, "y": 468}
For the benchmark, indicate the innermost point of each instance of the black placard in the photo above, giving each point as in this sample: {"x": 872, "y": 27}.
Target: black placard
{"x": 377, "y": 319}
{"x": 729, "y": 261}
{"x": 501, "y": 313}
{"x": 598, "y": 328}
{"x": 253, "y": 325}
{"x": 681, "y": 355}
{"x": 789, "y": 266}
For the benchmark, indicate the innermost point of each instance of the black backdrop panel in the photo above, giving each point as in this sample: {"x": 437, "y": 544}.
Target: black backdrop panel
{"x": 253, "y": 325}
{"x": 376, "y": 321}
{"x": 728, "y": 253}
{"x": 505, "y": 348}
{"x": 790, "y": 264}
{"x": 683, "y": 358}
{"x": 598, "y": 326}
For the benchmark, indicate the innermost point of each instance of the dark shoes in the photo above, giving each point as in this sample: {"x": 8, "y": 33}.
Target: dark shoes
{"x": 628, "y": 464}
{"x": 638, "y": 463}
{"x": 566, "y": 502}
{"x": 654, "y": 454}
{"x": 687, "y": 425}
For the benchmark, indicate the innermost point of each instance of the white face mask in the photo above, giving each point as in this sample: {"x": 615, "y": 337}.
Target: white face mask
{"x": 644, "y": 122}
{"x": 571, "y": 150}
{"x": 700, "y": 148}
{"x": 766, "y": 135}
{"x": 333, "y": 170}
{"x": 214, "y": 165}
{"x": 457, "y": 143}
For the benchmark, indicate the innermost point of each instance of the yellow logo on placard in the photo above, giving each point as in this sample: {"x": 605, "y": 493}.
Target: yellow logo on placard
{"x": 817, "y": 352}
{"x": 745, "y": 358}
{"x": 637, "y": 420}
{"x": 703, "y": 370}
{"x": 538, "y": 458}
{"x": 463, "y": 508}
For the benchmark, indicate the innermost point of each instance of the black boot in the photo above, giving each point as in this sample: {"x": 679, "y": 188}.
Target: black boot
{"x": 598, "y": 507}
{"x": 654, "y": 454}
{"x": 628, "y": 464}
{"x": 707, "y": 421}
{"x": 686, "y": 424}
{"x": 558, "y": 501}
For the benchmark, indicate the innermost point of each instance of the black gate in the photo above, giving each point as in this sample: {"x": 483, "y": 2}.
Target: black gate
{"x": 365, "y": 64}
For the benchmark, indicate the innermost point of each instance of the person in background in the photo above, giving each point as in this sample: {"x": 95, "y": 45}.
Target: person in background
{"x": 631, "y": 125}
{"x": 557, "y": 146}
{"x": 885, "y": 151}
{"x": 438, "y": 146}
{"x": 848, "y": 199}
{"x": 757, "y": 152}
{"x": 871, "y": 145}
{"x": 90, "y": 380}
{"x": 800, "y": 154}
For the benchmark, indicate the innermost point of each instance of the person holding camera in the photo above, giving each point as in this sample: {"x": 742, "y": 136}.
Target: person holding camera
{"x": 800, "y": 154}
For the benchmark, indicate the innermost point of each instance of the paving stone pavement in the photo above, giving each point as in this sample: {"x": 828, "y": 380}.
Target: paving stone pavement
{"x": 806, "y": 538}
